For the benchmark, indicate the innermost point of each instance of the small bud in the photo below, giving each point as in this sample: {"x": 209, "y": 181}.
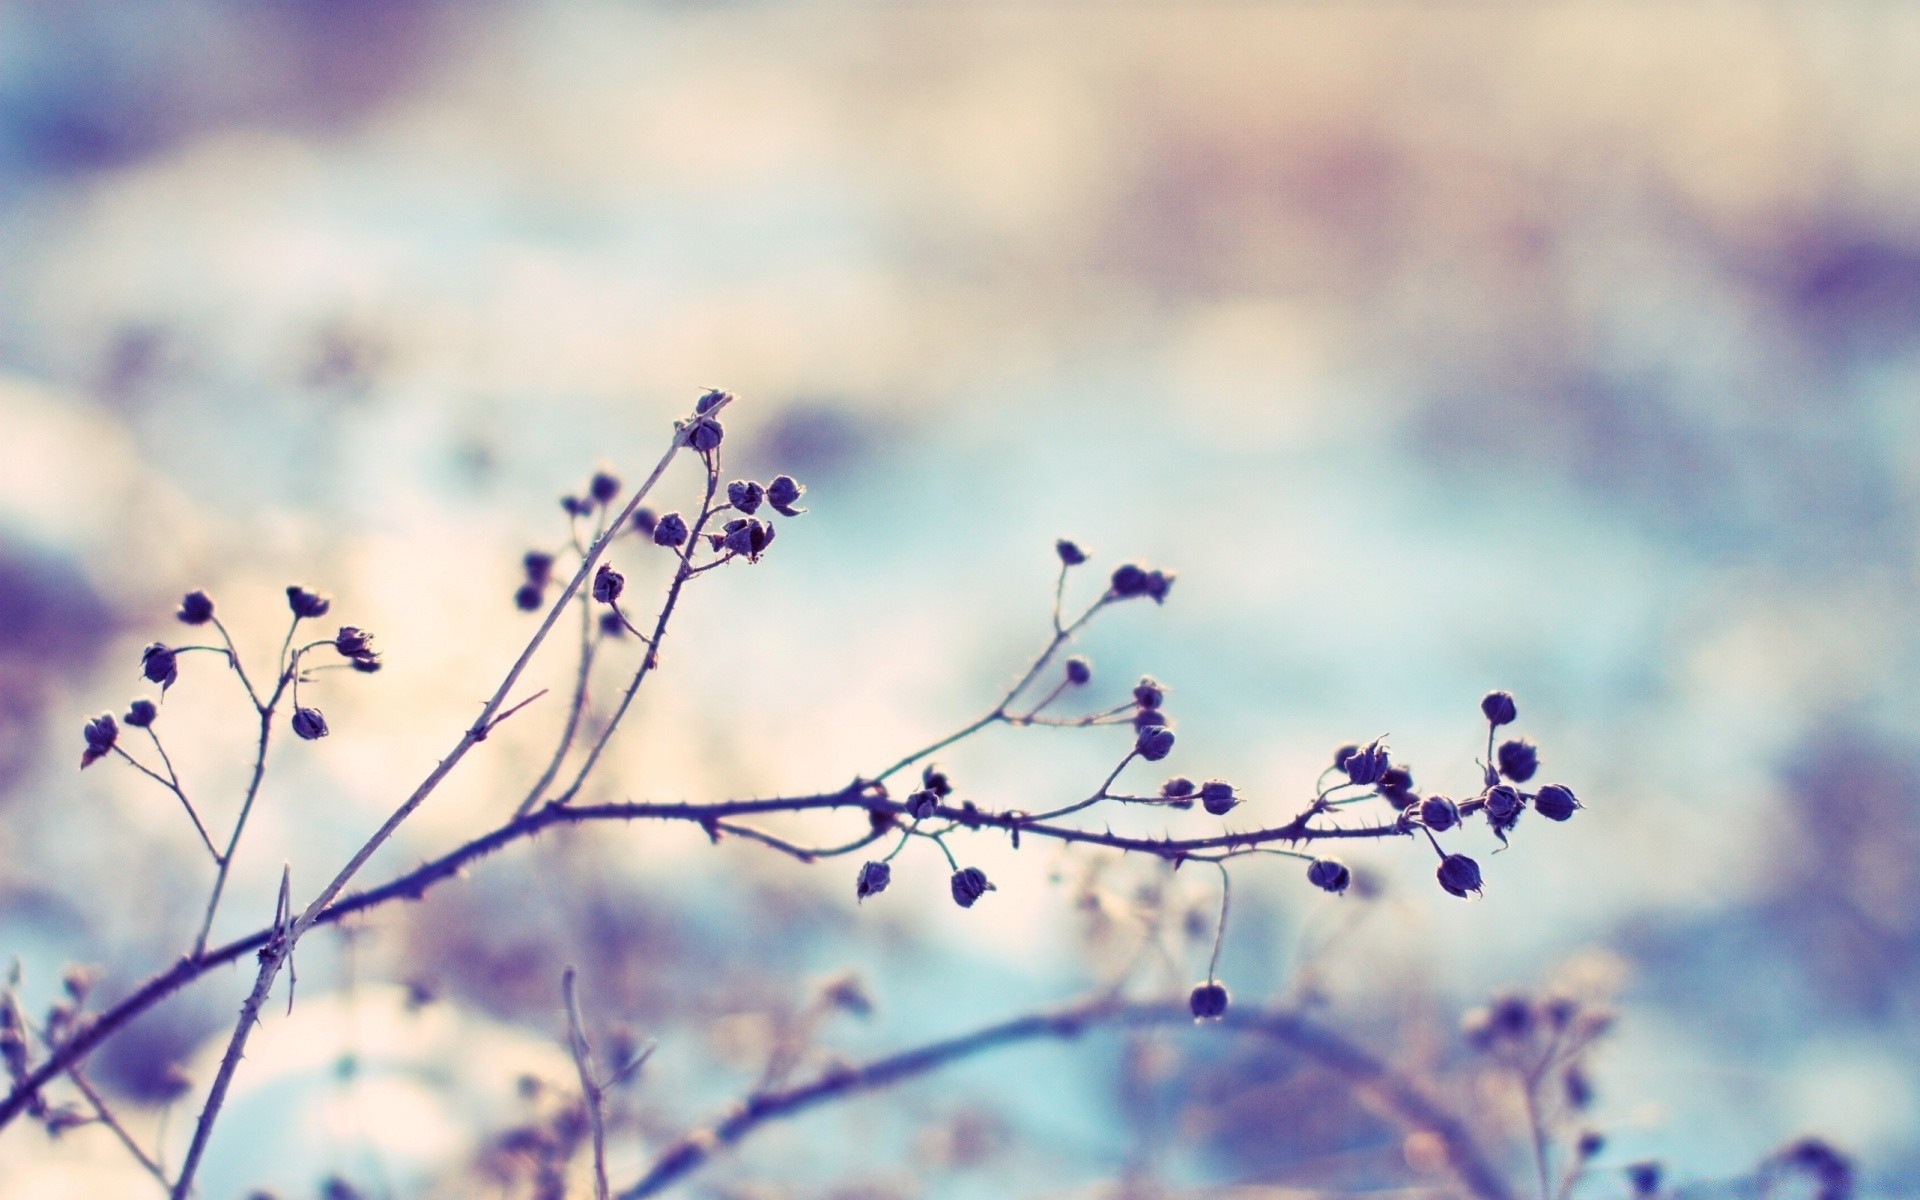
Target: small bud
{"x": 1459, "y": 875}
{"x": 1368, "y": 764}
{"x": 307, "y": 605}
{"x": 528, "y": 597}
{"x": 1148, "y": 693}
{"x": 969, "y": 884}
{"x": 196, "y": 608}
{"x": 1439, "y": 813}
{"x": 935, "y": 780}
{"x": 141, "y": 713}
{"x": 1070, "y": 554}
{"x": 1503, "y": 804}
{"x": 1216, "y": 796}
{"x": 159, "y": 664}
{"x": 352, "y": 642}
{"x": 1129, "y": 580}
{"x": 922, "y": 804}
{"x": 671, "y": 530}
{"x": 603, "y": 487}
{"x": 1149, "y": 716}
{"x": 644, "y": 522}
{"x": 539, "y": 566}
{"x": 612, "y": 626}
{"x": 1154, "y": 743}
{"x": 1177, "y": 787}
{"x": 783, "y": 493}
{"x": 745, "y": 495}
{"x": 1079, "y": 671}
{"x": 100, "y": 734}
{"x": 1518, "y": 759}
{"x": 309, "y": 724}
{"x": 1329, "y": 875}
{"x": 607, "y": 584}
{"x": 705, "y": 434}
{"x": 1499, "y": 708}
{"x": 1208, "y": 1001}
{"x": 712, "y": 400}
{"x": 1555, "y": 802}
{"x": 873, "y": 879}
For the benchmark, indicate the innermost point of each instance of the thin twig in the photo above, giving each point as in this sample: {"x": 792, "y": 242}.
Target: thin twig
{"x": 589, "y": 1089}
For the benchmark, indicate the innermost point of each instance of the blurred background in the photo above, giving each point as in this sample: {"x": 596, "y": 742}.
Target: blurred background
{"x": 1571, "y": 349}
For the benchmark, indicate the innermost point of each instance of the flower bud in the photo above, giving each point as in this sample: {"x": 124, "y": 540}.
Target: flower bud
{"x": 159, "y": 664}
{"x": 1499, "y": 708}
{"x": 196, "y": 608}
{"x": 1216, "y": 796}
{"x": 1070, "y": 554}
{"x": 603, "y": 487}
{"x": 1459, "y": 875}
{"x": 969, "y": 884}
{"x": 309, "y": 724}
{"x": 745, "y": 495}
{"x": 1329, "y": 875}
{"x": 1148, "y": 693}
{"x": 141, "y": 713}
{"x": 307, "y": 605}
{"x": 1154, "y": 743}
{"x": 671, "y": 530}
{"x": 1439, "y": 813}
{"x": 1079, "y": 671}
{"x": 873, "y": 879}
{"x": 705, "y": 434}
{"x": 528, "y": 597}
{"x": 1518, "y": 759}
{"x": 100, "y": 734}
{"x": 1208, "y": 1001}
{"x": 1555, "y": 802}
{"x": 608, "y": 584}
{"x": 783, "y": 493}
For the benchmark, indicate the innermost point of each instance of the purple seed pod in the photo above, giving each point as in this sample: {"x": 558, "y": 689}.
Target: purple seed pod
{"x": 1503, "y": 803}
{"x": 1177, "y": 787}
{"x": 1341, "y": 755}
{"x": 1208, "y": 1001}
{"x": 1459, "y": 875}
{"x": 1644, "y": 1178}
{"x": 1329, "y": 875}
{"x": 196, "y": 608}
{"x": 1079, "y": 671}
{"x": 1518, "y": 759}
{"x": 873, "y": 879}
{"x": 1369, "y": 764}
{"x": 159, "y": 664}
{"x": 644, "y": 522}
{"x": 705, "y": 434}
{"x": 1129, "y": 580}
{"x": 352, "y": 642}
{"x": 745, "y": 495}
{"x": 1439, "y": 813}
{"x": 576, "y": 506}
{"x": 670, "y": 530}
{"x": 1555, "y": 802}
{"x": 1070, "y": 554}
{"x": 307, "y": 605}
{"x": 603, "y": 487}
{"x": 1154, "y": 743}
{"x": 1149, "y": 716}
{"x": 922, "y": 804}
{"x": 538, "y": 565}
{"x": 935, "y": 780}
{"x": 528, "y": 597}
{"x": 608, "y": 584}
{"x": 1216, "y": 796}
{"x": 1499, "y": 708}
{"x": 141, "y": 714}
{"x": 1148, "y": 693}
{"x": 713, "y": 399}
{"x": 100, "y": 734}
{"x": 1159, "y": 583}
{"x": 309, "y": 724}
{"x": 783, "y": 493}
{"x": 612, "y": 626}
{"x": 969, "y": 884}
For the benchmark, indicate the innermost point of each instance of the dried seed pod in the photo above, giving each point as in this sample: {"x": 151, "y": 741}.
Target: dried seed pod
{"x": 1329, "y": 875}
{"x": 969, "y": 884}
{"x": 1208, "y": 1001}
{"x": 309, "y": 724}
{"x": 873, "y": 879}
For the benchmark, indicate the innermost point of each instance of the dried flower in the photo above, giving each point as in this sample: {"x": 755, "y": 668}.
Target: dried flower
{"x": 1368, "y": 764}
{"x": 307, "y": 605}
{"x": 935, "y": 780}
{"x": 607, "y": 584}
{"x": 1216, "y": 796}
{"x": 603, "y": 487}
{"x": 670, "y": 530}
{"x": 644, "y": 522}
{"x": 745, "y": 495}
{"x": 783, "y": 493}
{"x": 141, "y": 713}
{"x": 922, "y": 804}
{"x": 196, "y": 608}
{"x": 101, "y": 733}
{"x": 1459, "y": 875}
{"x": 159, "y": 664}
{"x": 705, "y": 434}
{"x": 309, "y": 724}
{"x": 1555, "y": 802}
{"x": 1503, "y": 804}
{"x": 1329, "y": 875}
{"x": 713, "y": 399}
{"x": 1208, "y": 1001}
{"x": 1499, "y": 708}
{"x": 1177, "y": 787}
{"x": 1079, "y": 671}
{"x": 1149, "y": 716}
{"x": 1153, "y": 743}
{"x": 1070, "y": 554}
{"x": 969, "y": 884}
{"x": 528, "y": 597}
{"x": 1148, "y": 693}
{"x": 749, "y": 537}
{"x": 873, "y": 879}
{"x": 1439, "y": 813}
{"x": 352, "y": 642}
{"x": 1518, "y": 759}
{"x": 1129, "y": 580}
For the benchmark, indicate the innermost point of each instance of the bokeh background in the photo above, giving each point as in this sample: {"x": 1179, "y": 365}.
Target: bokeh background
{"x": 1567, "y": 348}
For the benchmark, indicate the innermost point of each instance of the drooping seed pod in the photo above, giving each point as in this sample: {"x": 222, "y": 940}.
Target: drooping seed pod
{"x": 1459, "y": 875}
{"x": 196, "y": 608}
{"x": 141, "y": 714}
{"x": 1154, "y": 742}
{"x": 1329, "y": 875}
{"x": 159, "y": 664}
{"x": 1208, "y": 1001}
{"x": 608, "y": 584}
{"x": 100, "y": 734}
{"x": 1499, "y": 708}
{"x": 352, "y": 642}
{"x": 784, "y": 495}
{"x": 670, "y": 530}
{"x": 873, "y": 879}
{"x": 1368, "y": 764}
{"x": 1079, "y": 671}
{"x": 1555, "y": 802}
{"x": 969, "y": 884}
{"x": 1216, "y": 796}
{"x": 705, "y": 434}
{"x": 305, "y": 604}
{"x": 1439, "y": 813}
{"x": 1070, "y": 554}
{"x": 309, "y": 724}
